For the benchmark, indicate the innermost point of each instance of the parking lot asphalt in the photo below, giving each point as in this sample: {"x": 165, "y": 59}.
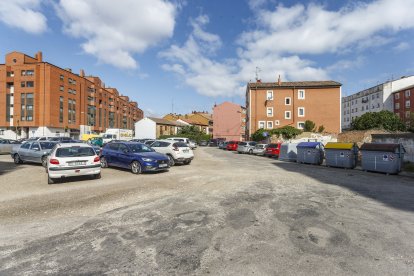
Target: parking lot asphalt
{"x": 225, "y": 214}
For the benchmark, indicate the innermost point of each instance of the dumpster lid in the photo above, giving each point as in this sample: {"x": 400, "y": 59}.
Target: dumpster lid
{"x": 309, "y": 145}
{"x": 346, "y": 146}
{"x": 380, "y": 147}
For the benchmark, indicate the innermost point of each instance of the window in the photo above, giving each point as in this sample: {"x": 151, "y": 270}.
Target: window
{"x": 60, "y": 109}
{"x": 377, "y": 95}
{"x": 372, "y": 96}
{"x": 287, "y": 114}
{"x": 301, "y": 125}
{"x": 301, "y": 112}
{"x": 287, "y": 101}
{"x": 10, "y": 74}
{"x": 269, "y": 94}
{"x": 397, "y": 105}
{"x": 261, "y": 124}
{"x": 378, "y": 105}
{"x": 269, "y": 124}
{"x": 23, "y": 84}
{"x": 30, "y": 84}
{"x": 277, "y": 123}
{"x": 407, "y": 93}
{"x": 397, "y": 96}
{"x": 28, "y": 73}
{"x": 362, "y": 109}
{"x": 26, "y": 110}
{"x": 61, "y": 88}
{"x": 407, "y": 114}
{"x": 8, "y": 106}
{"x": 269, "y": 112}
{"x": 407, "y": 103}
{"x": 301, "y": 94}
{"x": 62, "y": 77}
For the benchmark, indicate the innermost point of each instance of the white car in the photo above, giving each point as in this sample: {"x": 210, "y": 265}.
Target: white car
{"x": 177, "y": 152}
{"x": 72, "y": 159}
{"x": 190, "y": 143}
{"x": 259, "y": 149}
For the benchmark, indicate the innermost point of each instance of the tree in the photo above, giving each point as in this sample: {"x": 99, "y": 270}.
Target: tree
{"x": 190, "y": 132}
{"x": 321, "y": 129}
{"x": 287, "y": 132}
{"x": 309, "y": 126}
{"x": 384, "y": 119}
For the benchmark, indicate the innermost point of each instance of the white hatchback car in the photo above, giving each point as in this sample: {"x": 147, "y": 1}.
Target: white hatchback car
{"x": 72, "y": 159}
{"x": 177, "y": 152}
{"x": 190, "y": 143}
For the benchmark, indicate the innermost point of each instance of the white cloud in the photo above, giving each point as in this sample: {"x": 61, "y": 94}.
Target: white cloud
{"x": 403, "y": 46}
{"x": 24, "y": 15}
{"x": 280, "y": 40}
{"x": 115, "y": 30}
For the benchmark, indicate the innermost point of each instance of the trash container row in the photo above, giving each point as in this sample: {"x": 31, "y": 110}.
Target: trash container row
{"x": 378, "y": 157}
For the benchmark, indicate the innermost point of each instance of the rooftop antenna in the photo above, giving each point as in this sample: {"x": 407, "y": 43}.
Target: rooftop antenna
{"x": 172, "y": 106}
{"x": 257, "y": 73}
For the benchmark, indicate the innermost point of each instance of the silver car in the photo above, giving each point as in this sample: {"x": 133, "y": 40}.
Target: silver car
{"x": 246, "y": 147}
{"x": 259, "y": 149}
{"x": 32, "y": 151}
{"x": 7, "y": 145}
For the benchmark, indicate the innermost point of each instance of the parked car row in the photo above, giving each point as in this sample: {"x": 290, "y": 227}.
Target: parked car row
{"x": 67, "y": 158}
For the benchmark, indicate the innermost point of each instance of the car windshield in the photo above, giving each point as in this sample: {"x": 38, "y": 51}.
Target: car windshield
{"x": 140, "y": 148}
{"x": 47, "y": 145}
{"x": 273, "y": 146}
{"x": 75, "y": 152}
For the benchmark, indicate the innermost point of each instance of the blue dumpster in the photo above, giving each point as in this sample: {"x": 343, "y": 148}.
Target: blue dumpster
{"x": 310, "y": 153}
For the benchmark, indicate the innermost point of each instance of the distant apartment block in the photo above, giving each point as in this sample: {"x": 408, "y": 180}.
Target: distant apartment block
{"x": 229, "y": 121}
{"x": 373, "y": 99}
{"x": 277, "y": 104}
{"x": 404, "y": 104}
{"x": 41, "y": 99}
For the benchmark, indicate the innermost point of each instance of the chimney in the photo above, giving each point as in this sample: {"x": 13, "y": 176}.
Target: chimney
{"x": 82, "y": 73}
{"x": 39, "y": 56}
{"x": 279, "y": 81}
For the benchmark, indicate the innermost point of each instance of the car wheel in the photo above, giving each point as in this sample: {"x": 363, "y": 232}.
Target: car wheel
{"x": 187, "y": 162}
{"x": 97, "y": 176}
{"x": 17, "y": 159}
{"x": 50, "y": 180}
{"x": 44, "y": 161}
{"x": 171, "y": 161}
{"x": 104, "y": 163}
{"x": 250, "y": 151}
{"x": 135, "y": 167}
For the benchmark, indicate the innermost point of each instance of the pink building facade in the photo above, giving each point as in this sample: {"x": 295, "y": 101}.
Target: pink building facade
{"x": 229, "y": 121}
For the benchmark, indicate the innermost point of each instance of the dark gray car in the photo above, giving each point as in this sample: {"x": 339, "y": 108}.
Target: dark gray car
{"x": 32, "y": 151}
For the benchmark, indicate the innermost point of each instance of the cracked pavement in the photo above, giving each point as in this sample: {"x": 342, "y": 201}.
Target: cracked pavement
{"x": 225, "y": 214}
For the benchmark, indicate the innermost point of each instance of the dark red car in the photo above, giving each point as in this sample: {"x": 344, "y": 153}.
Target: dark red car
{"x": 232, "y": 145}
{"x": 272, "y": 150}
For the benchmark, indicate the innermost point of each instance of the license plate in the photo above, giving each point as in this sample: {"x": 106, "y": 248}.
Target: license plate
{"x": 185, "y": 151}
{"x": 163, "y": 165}
{"x": 77, "y": 163}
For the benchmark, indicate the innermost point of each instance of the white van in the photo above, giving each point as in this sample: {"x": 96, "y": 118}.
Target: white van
{"x": 190, "y": 143}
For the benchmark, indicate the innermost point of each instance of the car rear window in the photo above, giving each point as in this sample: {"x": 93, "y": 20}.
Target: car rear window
{"x": 273, "y": 146}
{"x": 180, "y": 145}
{"x": 75, "y": 152}
{"x": 232, "y": 142}
{"x": 47, "y": 145}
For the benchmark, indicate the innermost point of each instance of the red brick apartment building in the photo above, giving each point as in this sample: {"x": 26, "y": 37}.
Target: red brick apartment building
{"x": 41, "y": 99}
{"x": 277, "y": 104}
{"x": 404, "y": 104}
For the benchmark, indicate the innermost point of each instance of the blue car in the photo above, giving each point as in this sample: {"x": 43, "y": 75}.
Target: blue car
{"x": 137, "y": 157}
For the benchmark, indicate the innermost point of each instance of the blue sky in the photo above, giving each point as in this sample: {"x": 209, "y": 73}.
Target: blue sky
{"x": 194, "y": 53}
